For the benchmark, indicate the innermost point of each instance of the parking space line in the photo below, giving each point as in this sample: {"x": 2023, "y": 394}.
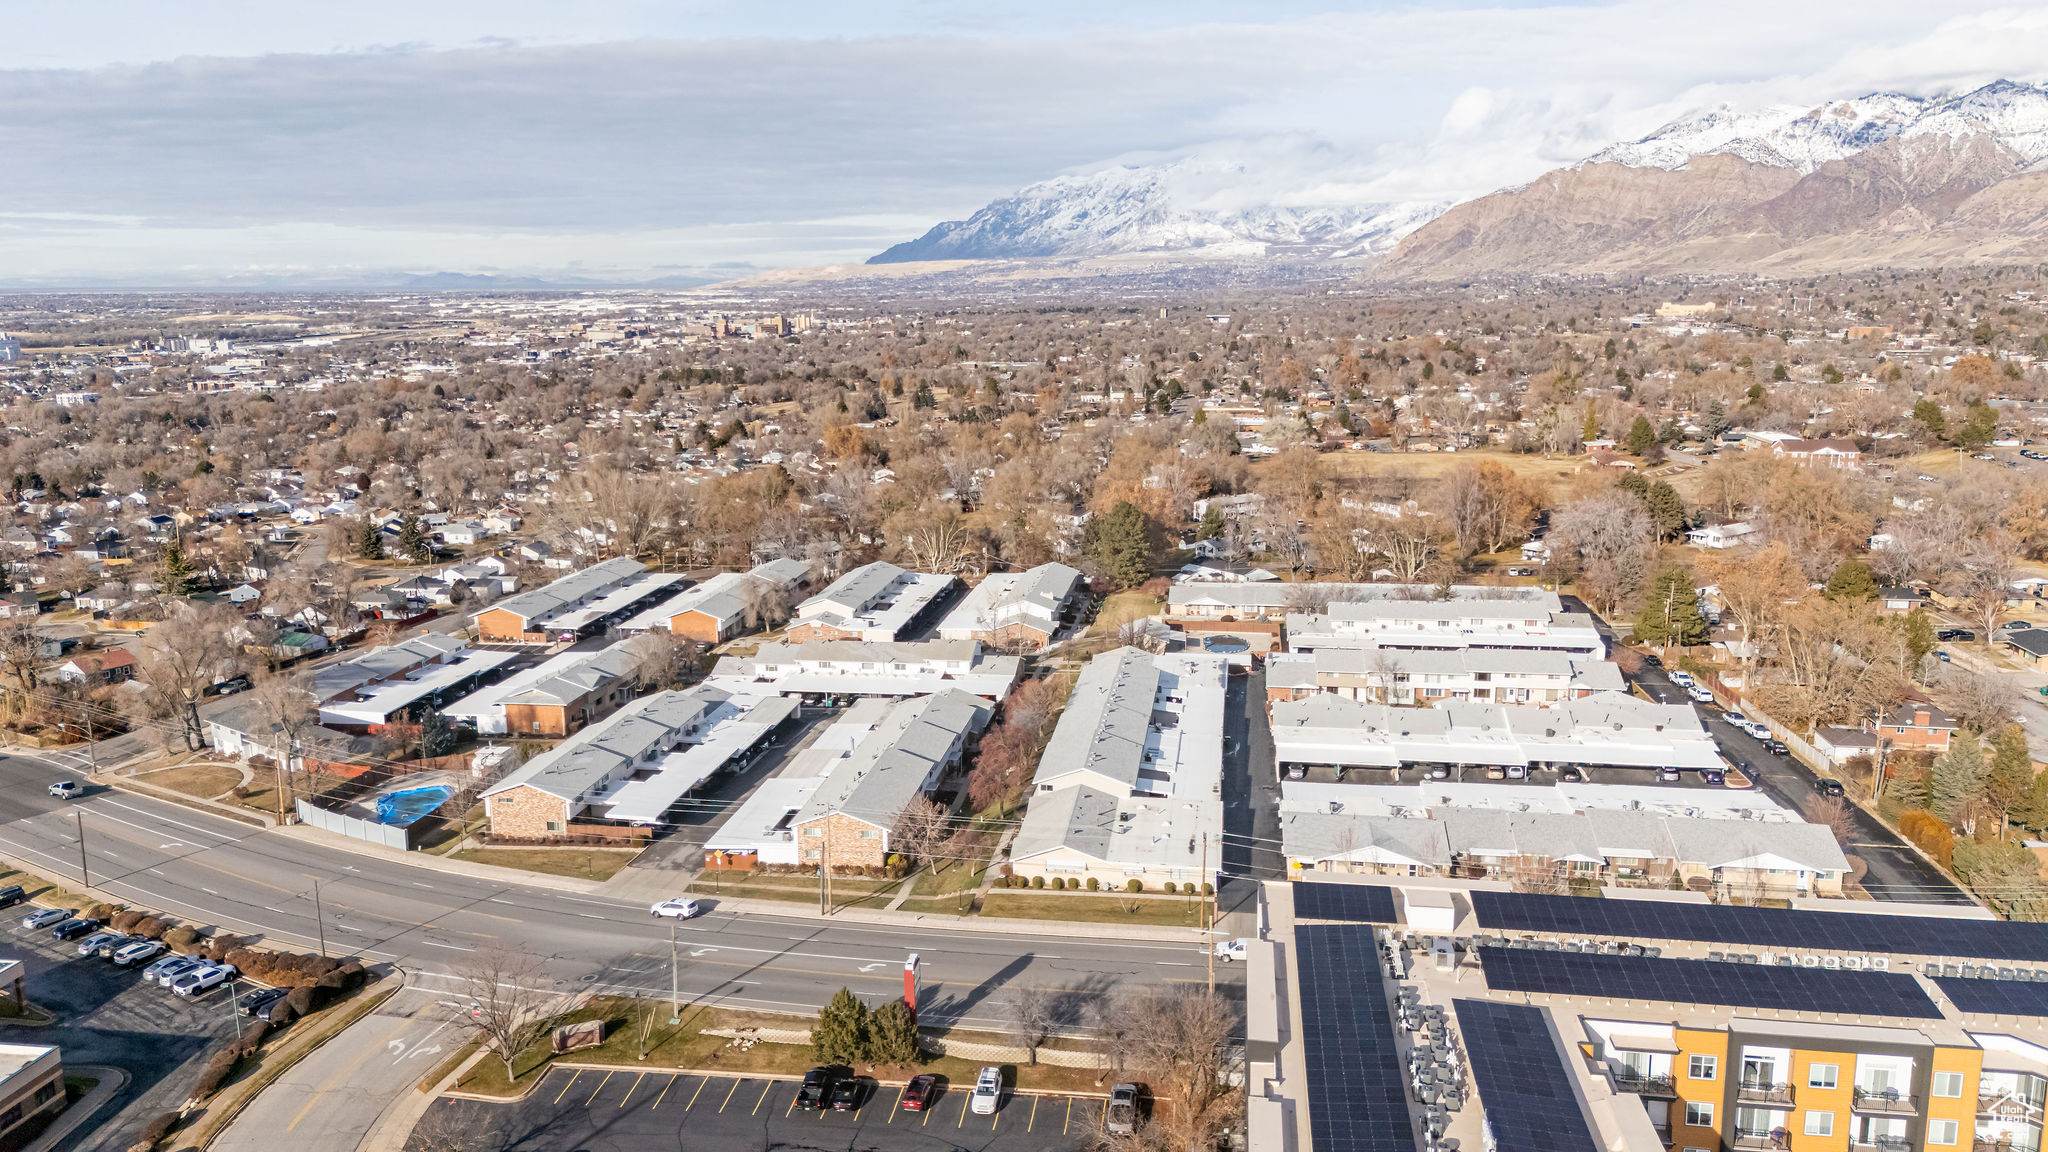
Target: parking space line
{"x": 632, "y": 1089}
{"x": 962, "y": 1122}
{"x": 728, "y": 1095}
{"x": 664, "y": 1092}
{"x": 600, "y": 1087}
{"x": 572, "y": 1083}
{"x": 1070, "y": 1116}
{"x": 792, "y": 1104}
{"x": 764, "y": 1096}
{"x": 898, "y": 1105}
{"x": 1033, "y": 1122}
{"x": 693, "y": 1095}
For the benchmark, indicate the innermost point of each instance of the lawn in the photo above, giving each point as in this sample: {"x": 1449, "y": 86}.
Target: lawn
{"x": 1120, "y": 608}
{"x": 1094, "y": 909}
{"x": 262, "y": 792}
{"x": 205, "y": 781}
{"x": 1431, "y": 465}
{"x": 579, "y": 863}
{"x": 847, "y": 891}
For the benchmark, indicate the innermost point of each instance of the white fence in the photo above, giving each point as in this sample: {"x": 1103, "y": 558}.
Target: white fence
{"x": 370, "y": 830}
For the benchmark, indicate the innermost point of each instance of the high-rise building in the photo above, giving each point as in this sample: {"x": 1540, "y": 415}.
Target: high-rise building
{"x": 10, "y": 349}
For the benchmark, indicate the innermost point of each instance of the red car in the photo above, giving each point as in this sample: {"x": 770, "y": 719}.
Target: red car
{"x": 918, "y": 1094}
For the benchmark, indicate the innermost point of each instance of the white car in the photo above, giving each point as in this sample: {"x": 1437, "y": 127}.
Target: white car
{"x": 679, "y": 908}
{"x": 1681, "y": 678}
{"x": 1700, "y": 694}
{"x": 99, "y": 940}
{"x": 170, "y": 968}
{"x": 135, "y": 953}
{"x": 1228, "y": 950}
{"x": 65, "y": 789}
{"x": 988, "y": 1092}
{"x": 201, "y": 979}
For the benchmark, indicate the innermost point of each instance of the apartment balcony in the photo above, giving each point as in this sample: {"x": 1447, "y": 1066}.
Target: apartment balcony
{"x": 1661, "y": 1087}
{"x": 1887, "y": 1102}
{"x": 1882, "y": 1144}
{"x": 1759, "y": 1092}
{"x": 1665, "y": 1137}
{"x": 1762, "y": 1141}
{"x": 2004, "y": 1107}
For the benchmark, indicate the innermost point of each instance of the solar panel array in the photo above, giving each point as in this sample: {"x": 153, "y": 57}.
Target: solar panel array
{"x": 1353, "y": 903}
{"x": 1995, "y": 997}
{"x": 1357, "y": 1092}
{"x": 1706, "y": 982}
{"x": 1526, "y": 1092}
{"x": 1780, "y": 928}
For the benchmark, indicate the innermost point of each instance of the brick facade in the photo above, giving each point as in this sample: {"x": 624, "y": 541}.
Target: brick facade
{"x": 844, "y": 841}
{"x": 806, "y": 633}
{"x": 696, "y": 626}
{"x": 497, "y": 626}
{"x": 528, "y": 813}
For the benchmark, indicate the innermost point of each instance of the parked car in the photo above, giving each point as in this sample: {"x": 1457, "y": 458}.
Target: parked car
{"x": 817, "y": 1086}
{"x": 75, "y": 927}
{"x": 273, "y": 1010}
{"x": 66, "y": 789}
{"x": 229, "y": 686}
{"x": 988, "y": 1092}
{"x": 1943, "y": 657}
{"x": 93, "y": 943}
{"x": 135, "y": 952}
{"x": 1229, "y": 950}
{"x": 1440, "y": 772}
{"x": 2015, "y": 626}
{"x": 45, "y": 917}
{"x": 1713, "y": 776}
{"x": 256, "y": 1002}
{"x": 1571, "y": 775}
{"x": 1496, "y": 772}
{"x": 1955, "y": 635}
{"x": 1120, "y": 1115}
{"x": 1828, "y": 787}
{"x": 1668, "y": 775}
{"x": 1777, "y": 747}
{"x": 120, "y": 940}
{"x": 1700, "y": 694}
{"x": 920, "y": 1092}
{"x": 1517, "y": 772}
{"x": 847, "y": 1094}
{"x": 171, "y": 968}
{"x": 202, "y": 979}
{"x": 679, "y": 908}
{"x": 12, "y": 894}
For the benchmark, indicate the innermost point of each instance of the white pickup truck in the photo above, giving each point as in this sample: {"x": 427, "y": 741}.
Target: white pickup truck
{"x": 1228, "y": 950}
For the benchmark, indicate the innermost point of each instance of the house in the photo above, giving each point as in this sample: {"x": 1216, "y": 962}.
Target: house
{"x": 2029, "y": 644}
{"x": 464, "y": 534}
{"x": 877, "y": 601}
{"x": 574, "y": 606}
{"x": 97, "y": 669}
{"x": 1728, "y": 535}
{"x": 243, "y": 594}
{"x": 1841, "y": 745}
{"x": 557, "y": 697}
{"x": 1916, "y": 725}
{"x": 861, "y": 668}
{"x": 728, "y": 604}
{"x": 1018, "y": 611}
{"x": 1831, "y": 453}
{"x": 1901, "y": 599}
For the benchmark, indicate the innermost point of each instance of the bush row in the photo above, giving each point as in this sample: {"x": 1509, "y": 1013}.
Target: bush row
{"x": 1075, "y": 884}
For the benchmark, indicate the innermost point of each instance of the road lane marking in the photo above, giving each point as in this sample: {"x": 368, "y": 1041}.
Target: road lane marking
{"x": 456, "y": 947}
{"x": 209, "y": 891}
{"x": 962, "y": 1121}
{"x": 417, "y": 884}
{"x": 600, "y": 1087}
{"x": 763, "y": 1097}
{"x": 694, "y": 1095}
{"x": 792, "y": 1104}
{"x": 664, "y": 1092}
{"x": 342, "y": 1077}
{"x": 565, "y": 1088}
{"x": 728, "y": 1095}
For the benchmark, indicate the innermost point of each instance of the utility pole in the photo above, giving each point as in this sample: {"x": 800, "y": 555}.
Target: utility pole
{"x": 824, "y": 872}
{"x": 84, "y": 871}
{"x": 235, "y": 1005}
{"x": 319, "y": 920}
{"x": 1210, "y": 934}
{"x": 92, "y": 755}
{"x": 675, "y": 1001}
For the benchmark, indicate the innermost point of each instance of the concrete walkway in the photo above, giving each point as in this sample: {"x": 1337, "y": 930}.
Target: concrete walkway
{"x": 111, "y": 1081}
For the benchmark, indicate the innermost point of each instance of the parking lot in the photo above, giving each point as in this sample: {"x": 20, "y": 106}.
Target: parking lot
{"x": 624, "y": 1110}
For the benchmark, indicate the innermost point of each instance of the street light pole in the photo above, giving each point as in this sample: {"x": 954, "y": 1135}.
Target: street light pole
{"x": 675, "y": 1001}
{"x": 319, "y": 920}
{"x": 84, "y": 870}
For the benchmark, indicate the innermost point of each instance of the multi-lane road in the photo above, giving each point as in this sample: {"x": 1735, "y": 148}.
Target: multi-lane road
{"x": 213, "y": 870}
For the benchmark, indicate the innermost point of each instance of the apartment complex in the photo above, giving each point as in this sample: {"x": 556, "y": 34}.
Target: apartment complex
{"x": 1411, "y": 1015}
{"x": 1431, "y": 676}
{"x": 1445, "y": 624}
{"x": 863, "y": 668}
{"x": 557, "y": 697}
{"x": 367, "y": 691}
{"x": 1610, "y": 730}
{"x": 576, "y": 606}
{"x": 1018, "y": 611}
{"x": 877, "y": 601}
{"x": 727, "y": 605}
{"x": 1131, "y": 783}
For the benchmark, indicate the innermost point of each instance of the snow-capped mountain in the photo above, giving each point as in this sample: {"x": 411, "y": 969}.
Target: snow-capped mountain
{"x": 1203, "y": 204}
{"x": 1804, "y": 138}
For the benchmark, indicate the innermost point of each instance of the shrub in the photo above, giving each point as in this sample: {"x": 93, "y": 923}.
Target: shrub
{"x": 282, "y": 1013}
{"x": 1208, "y": 889}
{"x": 300, "y": 999}
{"x": 153, "y": 1133}
{"x": 221, "y": 944}
{"x": 1931, "y": 833}
{"x": 181, "y": 939}
{"x": 124, "y": 921}
{"x": 251, "y": 1039}
{"x": 1094, "y": 884}
{"x": 103, "y": 912}
{"x": 152, "y": 927}
{"x": 216, "y": 1072}
{"x": 892, "y": 1035}
{"x": 1038, "y": 881}
{"x": 1169, "y": 888}
{"x": 841, "y": 1034}
{"x": 1135, "y": 886}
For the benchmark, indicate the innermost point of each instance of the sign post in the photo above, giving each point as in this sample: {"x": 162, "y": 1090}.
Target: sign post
{"x": 910, "y": 986}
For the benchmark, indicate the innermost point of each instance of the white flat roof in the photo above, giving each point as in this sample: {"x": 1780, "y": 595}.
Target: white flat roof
{"x": 615, "y": 600}
{"x": 384, "y": 699}
{"x": 686, "y": 768}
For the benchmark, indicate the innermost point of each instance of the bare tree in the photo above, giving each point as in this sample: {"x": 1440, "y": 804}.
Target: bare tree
{"x": 21, "y": 653}
{"x": 179, "y": 660}
{"x": 1983, "y": 578}
{"x": 1408, "y": 549}
{"x": 921, "y": 829}
{"x": 1033, "y": 1014}
{"x": 1832, "y": 813}
{"x": 1181, "y": 1040}
{"x": 286, "y": 700}
{"x": 1609, "y": 542}
{"x": 509, "y": 1008}
{"x": 658, "y": 659}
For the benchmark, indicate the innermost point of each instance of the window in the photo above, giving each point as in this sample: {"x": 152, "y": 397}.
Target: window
{"x": 45, "y": 1092}
{"x": 1948, "y": 1084}
{"x": 1703, "y": 1067}
{"x": 1823, "y": 1075}
{"x": 869, "y": 833}
{"x": 1699, "y": 1115}
{"x": 1820, "y": 1123}
{"x": 554, "y": 825}
{"x": 814, "y": 831}
{"x": 1941, "y": 1131}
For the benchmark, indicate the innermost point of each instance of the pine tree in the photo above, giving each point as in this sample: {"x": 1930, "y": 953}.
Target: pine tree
{"x": 923, "y": 397}
{"x": 2010, "y": 775}
{"x": 1121, "y": 542}
{"x": 1667, "y": 510}
{"x": 1716, "y": 421}
{"x": 1918, "y": 627}
{"x": 1212, "y": 526}
{"x": 1591, "y": 430}
{"x": 6, "y": 576}
{"x": 370, "y": 542}
{"x": 1957, "y": 782}
{"x": 412, "y": 540}
{"x": 1640, "y": 438}
{"x": 173, "y": 571}
{"x": 892, "y": 1035}
{"x": 841, "y": 1033}
{"x": 2033, "y": 810}
{"x": 1671, "y": 610}
{"x": 1851, "y": 580}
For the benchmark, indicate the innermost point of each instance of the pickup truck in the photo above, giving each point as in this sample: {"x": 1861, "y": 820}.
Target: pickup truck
{"x": 1229, "y": 950}
{"x": 1120, "y": 1115}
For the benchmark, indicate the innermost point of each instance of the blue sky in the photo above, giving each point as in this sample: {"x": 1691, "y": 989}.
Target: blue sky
{"x": 202, "y": 143}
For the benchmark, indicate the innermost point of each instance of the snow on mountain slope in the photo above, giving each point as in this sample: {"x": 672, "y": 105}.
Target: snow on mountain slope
{"x": 1217, "y": 206}
{"x": 1785, "y": 136}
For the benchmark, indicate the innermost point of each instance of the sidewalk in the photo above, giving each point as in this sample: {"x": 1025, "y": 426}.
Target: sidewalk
{"x": 111, "y": 1082}
{"x": 490, "y": 872}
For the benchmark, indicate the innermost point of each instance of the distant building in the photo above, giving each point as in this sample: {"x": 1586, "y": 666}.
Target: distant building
{"x": 877, "y": 601}
{"x": 577, "y": 605}
{"x": 1834, "y": 453}
{"x": 10, "y": 349}
{"x": 1729, "y": 535}
{"x": 726, "y": 605}
{"x": 1673, "y": 311}
{"x": 1018, "y": 610}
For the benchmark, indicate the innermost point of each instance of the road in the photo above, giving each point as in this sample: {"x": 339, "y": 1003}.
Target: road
{"x": 1894, "y": 870}
{"x": 212, "y": 870}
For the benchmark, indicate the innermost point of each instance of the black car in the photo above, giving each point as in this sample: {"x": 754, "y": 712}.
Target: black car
{"x": 73, "y": 928}
{"x": 256, "y": 1002}
{"x": 12, "y": 894}
{"x": 274, "y": 1009}
{"x": 1953, "y": 635}
{"x": 1829, "y": 787}
{"x": 1777, "y": 747}
{"x": 817, "y": 1086}
{"x": 847, "y": 1094}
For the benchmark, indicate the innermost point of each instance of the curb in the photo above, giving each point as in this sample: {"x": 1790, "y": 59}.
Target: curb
{"x": 241, "y": 816}
{"x": 474, "y": 871}
{"x": 111, "y": 1082}
{"x": 709, "y": 1073}
{"x": 271, "y": 1074}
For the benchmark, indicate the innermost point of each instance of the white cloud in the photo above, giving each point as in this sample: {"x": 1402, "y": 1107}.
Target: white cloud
{"x": 524, "y": 136}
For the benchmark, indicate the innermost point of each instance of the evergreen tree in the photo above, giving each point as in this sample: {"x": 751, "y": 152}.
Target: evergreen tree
{"x": 923, "y": 397}
{"x": 2010, "y": 775}
{"x": 1908, "y": 787}
{"x": 892, "y": 1035}
{"x": 2033, "y": 810}
{"x": 1671, "y": 610}
{"x": 1634, "y": 484}
{"x": 6, "y": 576}
{"x": 1851, "y": 580}
{"x": 1640, "y": 437}
{"x": 369, "y": 541}
{"x": 1667, "y": 510}
{"x": 841, "y": 1034}
{"x": 1591, "y": 430}
{"x": 1212, "y": 526}
{"x": 1200, "y": 418}
{"x": 1957, "y": 782}
{"x": 1929, "y": 415}
{"x": 173, "y": 571}
{"x": 1918, "y": 627}
{"x": 412, "y": 540}
{"x": 1123, "y": 544}
{"x": 1715, "y": 422}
